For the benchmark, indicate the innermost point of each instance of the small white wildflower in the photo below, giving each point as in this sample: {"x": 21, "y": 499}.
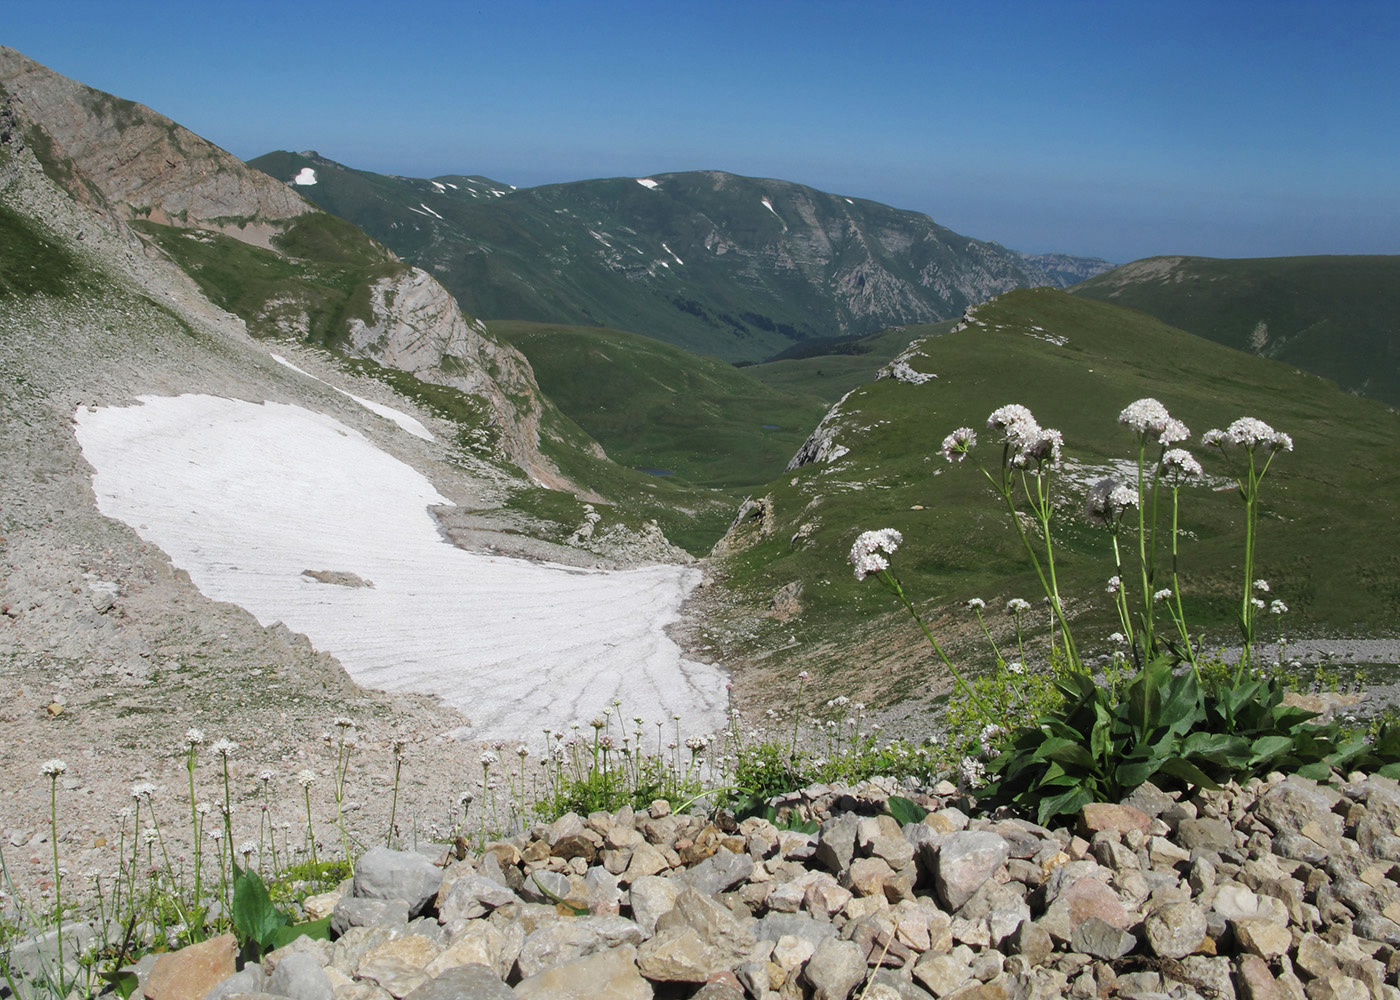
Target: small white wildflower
{"x": 306, "y": 777}
{"x": 956, "y": 445}
{"x": 522, "y": 751}
{"x": 976, "y": 603}
{"x": 1115, "y": 584}
{"x": 224, "y": 748}
{"x": 193, "y": 737}
{"x": 1118, "y": 638}
{"x": 1262, "y": 585}
{"x": 202, "y": 808}
{"x": 150, "y": 835}
{"x": 972, "y": 771}
{"x": 1258, "y": 602}
{"x": 248, "y": 847}
{"x": 1180, "y": 464}
{"x": 802, "y": 675}
{"x": 1123, "y": 496}
{"x": 988, "y": 734}
{"x": 266, "y": 775}
{"x": 1162, "y": 595}
{"x": 342, "y": 722}
{"x": 1016, "y": 606}
{"x": 143, "y": 790}
{"x": 1144, "y": 416}
{"x": 53, "y": 767}
{"x": 1016, "y": 667}
{"x": 489, "y": 757}
{"x": 865, "y": 553}
{"x": 1278, "y": 608}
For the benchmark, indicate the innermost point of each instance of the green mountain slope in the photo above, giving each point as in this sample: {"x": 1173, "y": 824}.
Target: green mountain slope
{"x": 738, "y": 267}
{"x": 1076, "y": 363}
{"x": 655, "y": 406}
{"x": 1333, "y": 316}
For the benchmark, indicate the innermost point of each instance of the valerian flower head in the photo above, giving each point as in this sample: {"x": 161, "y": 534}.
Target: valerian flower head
{"x": 1118, "y": 638}
{"x": 1262, "y": 585}
{"x": 342, "y": 722}
{"x": 1249, "y": 433}
{"x": 1258, "y": 602}
{"x": 1180, "y": 465}
{"x": 957, "y": 444}
{"x": 489, "y": 757}
{"x": 306, "y": 777}
{"x": 976, "y": 603}
{"x": 53, "y": 768}
{"x": 1278, "y": 608}
{"x": 1043, "y": 449}
{"x": 1016, "y": 606}
{"x": 224, "y": 748}
{"x": 1162, "y": 595}
{"x": 1016, "y": 667}
{"x": 266, "y": 775}
{"x": 1107, "y": 501}
{"x": 971, "y": 771}
{"x": 143, "y": 790}
{"x": 193, "y": 738}
{"x": 1144, "y": 416}
{"x": 1115, "y": 584}
{"x": 866, "y": 552}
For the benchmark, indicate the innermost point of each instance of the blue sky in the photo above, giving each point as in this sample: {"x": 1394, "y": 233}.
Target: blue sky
{"x": 1121, "y": 130}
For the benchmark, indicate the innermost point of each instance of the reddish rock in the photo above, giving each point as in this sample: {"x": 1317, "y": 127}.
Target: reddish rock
{"x": 1098, "y": 816}
{"x": 193, "y": 971}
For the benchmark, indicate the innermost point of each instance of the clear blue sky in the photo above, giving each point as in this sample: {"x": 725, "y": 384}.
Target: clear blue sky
{"x": 1118, "y": 129}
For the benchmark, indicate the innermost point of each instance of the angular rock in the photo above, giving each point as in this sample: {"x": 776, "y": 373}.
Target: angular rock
{"x": 193, "y": 970}
{"x": 382, "y": 873}
{"x": 300, "y": 977}
{"x": 473, "y": 895}
{"x": 571, "y": 938}
{"x": 1261, "y": 937}
{"x": 1101, "y": 939}
{"x": 942, "y": 974}
{"x": 721, "y": 871}
{"x": 398, "y": 966}
{"x": 463, "y": 982}
{"x": 834, "y": 969}
{"x": 965, "y": 861}
{"x": 350, "y": 911}
{"x": 836, "y": 844}
{"x": 1176, "y": 929}
{"x": 652, "y": 896}
{"x": 480, "y": 942}
{"x": 605, "y": 975}
{"x": 1097, "y": 816}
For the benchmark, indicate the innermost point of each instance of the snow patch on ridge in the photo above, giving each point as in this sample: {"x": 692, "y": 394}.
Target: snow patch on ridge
{"x": 648, "y": 183}
{"x": 247, "y": 496}
{"x": 306, "y": 178}
{"x": 410, "y": 424}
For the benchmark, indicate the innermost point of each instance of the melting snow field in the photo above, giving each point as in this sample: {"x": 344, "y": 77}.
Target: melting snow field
{"x": 245, "y": 497}
{"x": 413, "y": 425}
{"x": 306, "y": 178}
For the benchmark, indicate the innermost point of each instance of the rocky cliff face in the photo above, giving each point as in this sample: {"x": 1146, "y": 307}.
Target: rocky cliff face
{"x": 419, "y": 328}
{"x": 132, "y": 163}
{"x": 138, "y": 161}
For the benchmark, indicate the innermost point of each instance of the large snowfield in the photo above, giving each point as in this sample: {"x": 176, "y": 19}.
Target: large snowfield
{"x": 246, "y": 497}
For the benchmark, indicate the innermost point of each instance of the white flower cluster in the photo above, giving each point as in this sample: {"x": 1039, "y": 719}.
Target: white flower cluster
{"x": 866, "y": 552}
{"x": 305, "y": 777}
{"x": 1162, "y": 595}
{"x": 53, "y": 768}
{"x": 976, "y": 603}
{"x": 142, "y": 790}
{"x": 1249, "y": 433}
{"x": 957, "y": 444}
{"x": 1180, "y": 464}
{"x": 1016, "y": 606}
{"x": 1150, "y": 419}
{"x": 1027, "y": 440}
{"x": 1115, "y": 584}
{"x": 488, "y": 757}
{"x": 193, "y": 738}
{"x": 224, "y": 748}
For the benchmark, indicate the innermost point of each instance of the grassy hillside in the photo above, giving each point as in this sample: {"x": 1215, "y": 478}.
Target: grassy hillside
{"x": 738, "y": 267}
{"x": 1332, "y": 560}
{"x": 852, "y": 363}
{"x": 319, "y": 281}
{"x": 1333, "y": 316}
{"x": 654, "y": 406}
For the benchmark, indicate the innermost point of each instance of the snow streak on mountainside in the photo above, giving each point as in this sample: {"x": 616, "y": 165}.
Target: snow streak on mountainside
{"x": 734, "y": 266}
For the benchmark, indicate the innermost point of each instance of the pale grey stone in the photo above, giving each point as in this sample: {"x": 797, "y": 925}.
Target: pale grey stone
{"x": 381, "y": 873}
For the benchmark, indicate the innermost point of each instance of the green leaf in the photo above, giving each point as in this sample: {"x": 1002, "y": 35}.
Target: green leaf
{"x": 1178, "y": 767}
{"x": 905, "y": 811}
{"x": 1317, "y": 771}
{"x": 1101, "y": 736}
{"x": 1267, "y": 748}
{"x": 1066, "y": 751}
{"x": 123, "y": 983}
{"x": 254, "y": 916}
{"x": 316, "y": 930}
{"x": 1066, "y": 804}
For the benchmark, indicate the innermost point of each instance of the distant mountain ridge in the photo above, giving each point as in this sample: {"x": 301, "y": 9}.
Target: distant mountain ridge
{"x": 1335, "y": 316}
{"x": 738, "y": 267}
